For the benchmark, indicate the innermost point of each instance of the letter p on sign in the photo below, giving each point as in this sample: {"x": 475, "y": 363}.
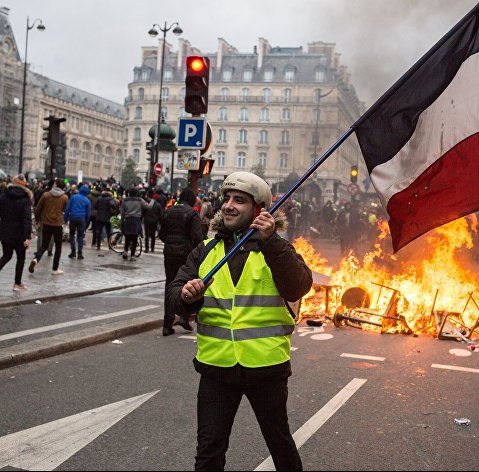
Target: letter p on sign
{"x": 190, "y": 131}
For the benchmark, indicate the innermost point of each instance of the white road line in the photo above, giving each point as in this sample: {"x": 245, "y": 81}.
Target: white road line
{"x": 359, "y": 356}
{"x": 454, "y": 367}
{"x": 316, "y": 421}
{"x": 67, "y": 324}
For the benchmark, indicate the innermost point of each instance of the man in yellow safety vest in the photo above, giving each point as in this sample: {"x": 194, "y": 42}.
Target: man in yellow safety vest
{"x": 243, "y": 323}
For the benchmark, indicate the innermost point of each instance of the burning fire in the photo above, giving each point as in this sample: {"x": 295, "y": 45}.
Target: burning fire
{"x": 432, "y": 275}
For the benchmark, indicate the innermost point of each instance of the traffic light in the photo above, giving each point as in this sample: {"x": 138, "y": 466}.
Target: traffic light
{"x": 206, "y": 166}
{"x": 53, "y": 130}
{"x": 150, "y": 150}
{"x": 197, "y": 82}
{"x": 354, "y": 174}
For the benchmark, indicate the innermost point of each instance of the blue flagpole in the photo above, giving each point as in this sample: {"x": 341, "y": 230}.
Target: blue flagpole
{"x": 280, "y": 202}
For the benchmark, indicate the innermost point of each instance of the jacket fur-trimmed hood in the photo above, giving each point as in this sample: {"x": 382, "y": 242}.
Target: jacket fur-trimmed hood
{"x": 280, "y": 220}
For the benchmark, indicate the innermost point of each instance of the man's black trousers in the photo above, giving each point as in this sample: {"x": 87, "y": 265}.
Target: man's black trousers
{"x": 217, "y": 406}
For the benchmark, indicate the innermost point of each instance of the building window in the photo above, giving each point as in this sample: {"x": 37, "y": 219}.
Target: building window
{"x": 165, "y": 93}
{"x": 289, "y": 75}
{"x": 73, "y": 149}
{"x": 264, "y": 114}
{"x": 283, "y": 160}
{"x": 136, "y": 155}
{"x": 85, "y": 152}
{"x": 118, "y": 158}
{"x": 97, "y": 153}
{"x": 243, "y": 136}
{"x": 268, "y": 75}
{"x": 164, "y": 112}
{"x": 222, "y": 135}
{"x": 223, "y": 115}
{"x": 263, "y": 137}
{"x": 137, "y": 134}
{"x": 241, "y": 160}
{"x": 284, "y": 137}
{"x": 227, "y": 75}
{"x": 287, "y": 95}
{"x": 138, "y": 113}
{"x": 220, "y": 159}
{"x": 244, "y": 114}
{"x": 319, "y": 75}
{"x": 108, "y": 155}
{"x": 182, "y": 112}
{"x": 266, "y": 94}
{"x": 323, "y": 60}
{"x": 245, "y": 94}
{"x": 286, "y": 114}
{"x": 145, "y": 75}
{"x": 262, "y": 159}
{"x": 141, "y": 93}
{"x": 168, "y": 75}
{"x": 315, "y": 138}
{"x": 224, "y": 93}
{"x": 248, "y": 75}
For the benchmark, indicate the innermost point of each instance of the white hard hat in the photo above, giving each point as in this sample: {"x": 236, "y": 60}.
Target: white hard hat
{"x": 250, "y": 184}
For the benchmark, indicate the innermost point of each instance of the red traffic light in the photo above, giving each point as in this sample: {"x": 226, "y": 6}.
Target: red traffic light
{"x": 197, "y": 64}
{"x": 197, "y": 82}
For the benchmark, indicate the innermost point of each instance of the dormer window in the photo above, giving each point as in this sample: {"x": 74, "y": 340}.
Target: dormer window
{"x": 289, "y": 75}
{"x": 268, "y": 75}
{"x": 168, "y": 75}
{"x": 227, "y": 75}
{"x": 248, "y": 75}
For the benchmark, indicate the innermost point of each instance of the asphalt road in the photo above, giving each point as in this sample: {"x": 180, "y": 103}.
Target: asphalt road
{"x": 392, "y": 410}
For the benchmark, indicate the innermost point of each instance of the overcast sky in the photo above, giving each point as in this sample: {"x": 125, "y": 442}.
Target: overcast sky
{"x": 95, "y": 44}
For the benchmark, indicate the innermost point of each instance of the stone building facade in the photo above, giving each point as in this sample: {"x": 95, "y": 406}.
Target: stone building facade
{"x": 275, "y": 107}
{"x": 94, "y": 127}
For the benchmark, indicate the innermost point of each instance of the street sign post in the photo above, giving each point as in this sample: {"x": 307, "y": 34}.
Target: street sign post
{"x": 191, "y": 133}
{"x": 158, "y": 169}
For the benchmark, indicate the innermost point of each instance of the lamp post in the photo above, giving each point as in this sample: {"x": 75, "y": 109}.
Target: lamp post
{"x": 154, "y": 33}
{"x": 40, "y": 27}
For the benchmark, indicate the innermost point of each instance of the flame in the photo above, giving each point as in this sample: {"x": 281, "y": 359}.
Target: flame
{"x": 434, "y": 274}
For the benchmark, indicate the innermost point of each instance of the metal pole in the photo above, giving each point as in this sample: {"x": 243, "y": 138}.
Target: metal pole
{"x": 171, "y": 174}
{"x": 279, "y": 203}
{"x": 22, "y": 125}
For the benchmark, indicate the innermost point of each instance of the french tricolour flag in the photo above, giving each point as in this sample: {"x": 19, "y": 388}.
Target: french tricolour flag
{"x": 420, "y": 140}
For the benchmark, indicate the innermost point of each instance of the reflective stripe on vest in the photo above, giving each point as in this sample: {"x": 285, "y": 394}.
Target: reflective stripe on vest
{"x": 248, "y": 324}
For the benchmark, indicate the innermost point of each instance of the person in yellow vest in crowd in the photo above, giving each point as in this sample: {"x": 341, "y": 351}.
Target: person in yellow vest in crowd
{"x": 243, "y": 323}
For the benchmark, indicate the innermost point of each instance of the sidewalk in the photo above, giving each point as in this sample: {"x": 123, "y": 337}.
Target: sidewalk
{"x": 100, "y": 271}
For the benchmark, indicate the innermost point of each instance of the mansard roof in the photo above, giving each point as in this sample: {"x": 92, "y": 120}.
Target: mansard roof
{"x": 6, "y": 30}
{"x": 75, "y": 96}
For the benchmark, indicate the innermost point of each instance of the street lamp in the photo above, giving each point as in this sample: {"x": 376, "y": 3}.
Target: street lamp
{"x": 154, "y": 33}
{"x": 40, "y": 27}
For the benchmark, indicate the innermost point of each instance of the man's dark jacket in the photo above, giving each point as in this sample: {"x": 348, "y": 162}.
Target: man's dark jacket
{"x": 15, "y": 215}
{"x": 180, "y": 230}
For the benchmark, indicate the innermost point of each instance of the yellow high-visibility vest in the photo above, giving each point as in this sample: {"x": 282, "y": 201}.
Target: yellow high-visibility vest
{"x": 248, "y": 324}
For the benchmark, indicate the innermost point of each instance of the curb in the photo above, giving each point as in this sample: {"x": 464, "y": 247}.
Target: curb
{"x": 48, "y": 298}
{"x": 60, "y": 344}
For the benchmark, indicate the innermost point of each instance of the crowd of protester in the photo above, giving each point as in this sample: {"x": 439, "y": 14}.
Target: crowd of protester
{"x": 83, "y": 214}
{"x": 57, "y": 211}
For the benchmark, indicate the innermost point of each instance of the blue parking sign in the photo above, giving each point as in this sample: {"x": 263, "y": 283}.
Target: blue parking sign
{"x": 191, "y": 133}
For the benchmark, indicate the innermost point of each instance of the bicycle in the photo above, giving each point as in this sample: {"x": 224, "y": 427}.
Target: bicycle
{"x": 116, "y": 242}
